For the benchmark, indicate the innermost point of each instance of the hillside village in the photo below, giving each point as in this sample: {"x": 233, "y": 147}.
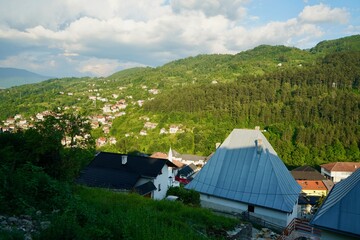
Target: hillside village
{"x": 110, "y": 109}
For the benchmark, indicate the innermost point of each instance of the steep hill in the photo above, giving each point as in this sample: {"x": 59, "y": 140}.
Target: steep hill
{"x": 10, "y": 77}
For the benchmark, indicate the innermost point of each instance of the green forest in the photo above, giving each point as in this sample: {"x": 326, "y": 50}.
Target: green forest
{"x": 311, "y": 114}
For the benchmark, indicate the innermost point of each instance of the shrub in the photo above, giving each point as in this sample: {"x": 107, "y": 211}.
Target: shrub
{"x": 29, "y": 188}
{"x": 188, "y": 197}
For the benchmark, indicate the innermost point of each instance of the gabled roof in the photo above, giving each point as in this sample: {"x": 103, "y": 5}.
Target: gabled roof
{"x": 328, "y": 184}
{"x": 312, "y": 200}
{"x": 159, "y": 155}
{"x": 145, "y": 188}
{"x": 106, "y": 170}
{"x": 108, "y": 178}
{"x": 312, "y": 185}
{"x": 306, "y": 173}
{"x": 246, "y": 168}
{"x": 341, "y": 166}
{"x": 187, "y": 170}
{"x": 340, "y": 211}
{"x": 192, "y": 157}
{"x": 144, "y": 166}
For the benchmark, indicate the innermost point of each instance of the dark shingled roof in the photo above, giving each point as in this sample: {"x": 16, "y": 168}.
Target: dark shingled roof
{"x": 108, "y": 178}
{"x": 187, "y": 170}
{"x": 145, "y": 188}
{"x": 312, "y": 200}
{"x": 107, "y": 171}
{"x": 306, "y": 173}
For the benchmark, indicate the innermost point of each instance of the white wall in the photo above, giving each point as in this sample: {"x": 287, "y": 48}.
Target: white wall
{"x": 335, "y": 176}
{"x": 163, "y": 180}
{"x": 270, "y": 215}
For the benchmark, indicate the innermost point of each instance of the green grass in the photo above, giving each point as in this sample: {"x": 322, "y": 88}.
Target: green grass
{"x": 102, "y": 214}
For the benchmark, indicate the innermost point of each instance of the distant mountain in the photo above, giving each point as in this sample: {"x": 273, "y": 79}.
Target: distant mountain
{"x": 10, "y": 77}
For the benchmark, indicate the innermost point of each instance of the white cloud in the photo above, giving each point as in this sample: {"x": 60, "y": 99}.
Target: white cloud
{"x": 351, "y": 29}
{"x": 232, "y": 9}
{"x": 102, "y": 67}
{"x": 324, "y": 14}
{"x": 96, "y": 37}
{"x": 273, "y": 33}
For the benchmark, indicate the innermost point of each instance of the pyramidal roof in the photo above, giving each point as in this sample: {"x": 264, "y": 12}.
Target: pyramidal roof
{"x": 340, "y": 211}
{"x": 246, "y": 168}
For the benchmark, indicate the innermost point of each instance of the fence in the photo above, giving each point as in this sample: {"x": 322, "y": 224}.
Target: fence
{"x": 301, "y": 226}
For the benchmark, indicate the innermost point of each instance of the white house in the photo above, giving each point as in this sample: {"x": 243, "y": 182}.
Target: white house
{"x": 337, "y": 171}
{"x": 173, "y": 129}
{"x": 128, "y": 173}
{"x": 246, "y": 175}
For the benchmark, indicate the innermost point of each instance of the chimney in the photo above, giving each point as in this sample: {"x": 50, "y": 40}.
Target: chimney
{"x": 123, "y": 159}
{"x": 259, "y": 145}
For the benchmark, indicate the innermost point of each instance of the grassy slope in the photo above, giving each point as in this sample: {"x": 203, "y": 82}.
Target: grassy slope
{"x": 101, "y": 214}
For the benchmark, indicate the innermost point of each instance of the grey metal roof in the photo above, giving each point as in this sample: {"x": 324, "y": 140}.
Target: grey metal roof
{"x": 246, "y": 168}
{"x": 340, "y": 211}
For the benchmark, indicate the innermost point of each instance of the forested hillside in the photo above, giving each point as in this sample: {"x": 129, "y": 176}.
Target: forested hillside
{"x": 306, "y": 100}
{"x": 311, "y": 113}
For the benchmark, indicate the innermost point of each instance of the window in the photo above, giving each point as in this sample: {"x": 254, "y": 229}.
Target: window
{"x": 251, "y": 208}
{"x": 159, "y": 187}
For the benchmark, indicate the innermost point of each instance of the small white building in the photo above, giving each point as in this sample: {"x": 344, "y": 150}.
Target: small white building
{"x": 337, "y": 171}
{"x": 128, "y": 173}
{"x": 173, "y": 129}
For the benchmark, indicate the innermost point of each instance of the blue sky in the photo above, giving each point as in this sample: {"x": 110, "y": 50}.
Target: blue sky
{"x": 99, "y": 37}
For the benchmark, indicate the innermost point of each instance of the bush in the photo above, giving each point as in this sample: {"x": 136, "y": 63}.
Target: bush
{"x": 188, "y": 197}
{"x": 29, "y": 188}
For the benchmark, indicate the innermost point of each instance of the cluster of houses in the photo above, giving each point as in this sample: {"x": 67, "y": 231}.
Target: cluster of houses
{"x": 245, "y": 176}
{"x": 11, "y": 124}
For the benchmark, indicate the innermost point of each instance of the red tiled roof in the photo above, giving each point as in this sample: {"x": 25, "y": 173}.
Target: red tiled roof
{"x": 178, "y": 163}
{"x": 341, "y": 166}
{"x": 159, "y": 155}
{"x": 165, "y": 156}
{"x": 311, "y": 185}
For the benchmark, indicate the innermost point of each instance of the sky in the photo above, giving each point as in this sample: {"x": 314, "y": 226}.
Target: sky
{"x": 73, "y": 38}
